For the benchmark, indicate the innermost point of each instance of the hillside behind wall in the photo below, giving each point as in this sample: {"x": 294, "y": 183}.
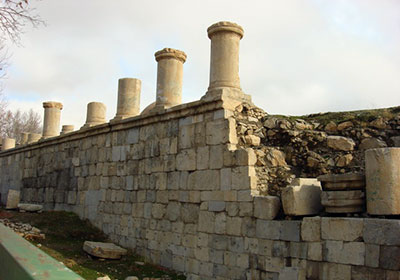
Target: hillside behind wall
{"x": 175, "y": 187}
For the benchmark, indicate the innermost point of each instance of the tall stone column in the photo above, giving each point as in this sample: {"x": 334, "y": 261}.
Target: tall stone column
{"x": 33, "y": 137}
{"x": 128, "y": 98}
{"x": 51, "y": 123}
{"x": 67, "y": 128}
{"x": 7, "y": 143}
{"x": 224, "y": 67}
{"x": 24, "y": 138}
{"x": 96, "y": 114}
{"x": 169, "y": 77}
{"x": 382, "y": 174}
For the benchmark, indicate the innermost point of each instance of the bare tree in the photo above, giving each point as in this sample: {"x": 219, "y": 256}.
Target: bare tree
{"x": 14, "y": 16}
{"x": 14, "y": 123}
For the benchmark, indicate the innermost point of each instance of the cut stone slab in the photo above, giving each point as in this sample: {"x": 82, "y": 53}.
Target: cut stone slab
{"x": 13, "y": 197}
{"x": 30, "y": 207}
{"x": 266, "y": 207}
{"x": 348, "y": 181}
{"x": 104, "y": 250}
{"x": 382, "y": 171}
{"x": 302, "y": 199}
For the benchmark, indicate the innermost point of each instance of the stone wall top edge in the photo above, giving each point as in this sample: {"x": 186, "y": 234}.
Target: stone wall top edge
{"x": 176, "y": 112}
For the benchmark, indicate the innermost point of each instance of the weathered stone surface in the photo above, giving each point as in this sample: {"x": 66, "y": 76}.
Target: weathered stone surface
{"x": 371, "y": 143}
{"x": 382, "y": 232}
{"x": 314, "y": 251}
{"x": 340, "y": 143}
{"x": 13, "y": 198}
{"x": 290, "y": 230}
{"x": 268, "y": 229}
{"x": 344, "y": 252}
{"x": 104, "y": 250}
{"x": 51, "y": 121}
{"x": 266, "y": 207}
{"x": 343, "y": 201}
{"x": 30, "y": 207}
{"x": 382, "y": 170}
{"x": 389, "y": 257}
{"x": 372, "y": 252}
{"x": 333, "y": 271}
{"x": 344, "y": 229}
{"x": 347, "y": 181}
{"x": 311, "y": 229}
{"x": 303, "y": 199}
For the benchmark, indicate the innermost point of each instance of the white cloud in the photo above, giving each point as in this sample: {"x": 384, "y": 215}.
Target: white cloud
{"x": 296, "y": 57}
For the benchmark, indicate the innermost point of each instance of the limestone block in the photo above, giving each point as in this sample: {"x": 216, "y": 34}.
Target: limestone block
{"x": 382, "y": 232}
{"x": 216, "y": 156}
{"x": 221, "y": 131}
{"x": 345, "y": 229}
{"x": 203, "y": 157}
{"x": 314, "y": 251}
{"x": 266, "y": 207}
{"x": 383, "y": 181}
{"x": 333, "y": 271}
{"x": 186, "y": 160}
{"x": 252, "y": 140}
{"x": 268, "y": 229}
{"x": 206, "y": 221}
{"x": 302, "y": 199}
{"x": 274, "y": 264}
{"x": 216, "y": 206}
{"x": 290, "y": 230}
{"x": 104, "y": 250}
{"x": 7, "y": 143}
{"x": 345, "y": 253}
{"x": 13, "y": 197}
{"x": 298, "y": 250}
{"x": 372, "y": 255}
{"x": 294, "y": 273}
{"x": 311, "y": 229}
{"x": 242, "y": 177}
{"x": 340, "y": 143}
{"x": 389, "y": 257}
{"x": 233, "y": 226}
{"x": 245, "y": 157}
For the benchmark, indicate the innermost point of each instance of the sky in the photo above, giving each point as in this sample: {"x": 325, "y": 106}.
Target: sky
{"x": 296, "y": 57}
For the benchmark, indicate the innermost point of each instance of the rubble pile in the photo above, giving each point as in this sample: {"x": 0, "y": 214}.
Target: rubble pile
{"x": 25, "y": 230}
{"x": 307, "y": 147}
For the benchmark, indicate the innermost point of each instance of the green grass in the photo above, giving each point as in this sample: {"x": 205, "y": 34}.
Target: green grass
{"x": 65, "y": 234}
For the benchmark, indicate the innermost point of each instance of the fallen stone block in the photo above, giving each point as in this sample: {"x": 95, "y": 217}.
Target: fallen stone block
{"x": 104, "y": 250}
{"x": 13, "y": 198}
{"x": 340, "y": 143}
{"x": 302, "y": 199}
{"x": 30, "y": 207}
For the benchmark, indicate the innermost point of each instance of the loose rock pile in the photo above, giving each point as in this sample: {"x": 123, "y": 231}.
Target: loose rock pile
{"x": 290, "y": 147}
{"x": 25, "y": 230}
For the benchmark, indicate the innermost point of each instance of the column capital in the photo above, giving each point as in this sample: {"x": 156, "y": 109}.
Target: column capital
{"x": 225, "y": 26}
{"x": 170, "y": 53}
{"x": 52, "y": 104}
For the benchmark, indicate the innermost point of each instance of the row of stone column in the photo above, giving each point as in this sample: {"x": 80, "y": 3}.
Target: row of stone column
{"x": 224, "y": 73}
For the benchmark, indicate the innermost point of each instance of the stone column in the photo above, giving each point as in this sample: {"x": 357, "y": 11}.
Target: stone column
{"x": 51, "y": 123}
{"x": 382, "y": 171}
{"x": 7, "y": 143}
{"x": 24, "y": 138}
{"x": 67, "y": 128}
{"x": 96, "y": 114}
{"x": 224, "y": 67}
{"x": 33, "y": 137}
{"x": 169, "y": 77}
{"x": 128, "y": 98}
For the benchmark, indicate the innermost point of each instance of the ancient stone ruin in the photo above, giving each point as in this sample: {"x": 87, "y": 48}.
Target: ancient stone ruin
{"x": 217, "y": 188}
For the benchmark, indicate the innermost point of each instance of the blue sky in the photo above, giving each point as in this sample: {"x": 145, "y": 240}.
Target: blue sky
{"x": 297, "y": 57}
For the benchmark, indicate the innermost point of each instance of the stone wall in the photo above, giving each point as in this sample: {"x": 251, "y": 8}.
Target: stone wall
{"x": 175, "y": 187}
